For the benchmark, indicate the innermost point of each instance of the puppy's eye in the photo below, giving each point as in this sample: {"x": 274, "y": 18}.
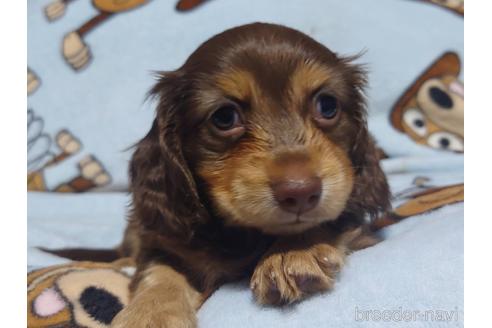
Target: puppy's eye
{"x": 327, "y": 106}
{"x": 226, "y": 118}
{"x": 227, "y": 121}
{"x": 326, "y": 110}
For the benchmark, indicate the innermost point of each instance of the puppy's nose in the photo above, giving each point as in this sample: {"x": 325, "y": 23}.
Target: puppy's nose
{"x": 298, "y": 196}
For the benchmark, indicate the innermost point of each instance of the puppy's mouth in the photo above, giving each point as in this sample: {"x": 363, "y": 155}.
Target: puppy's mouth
{"x": 286, "y": 226}
{"x": 298, "y": 220}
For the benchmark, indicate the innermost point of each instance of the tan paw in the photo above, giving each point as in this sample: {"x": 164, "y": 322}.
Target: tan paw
{"x": 92, "y": 170}
{"x": 54, "y": 10}
{"x": 67, "y": 142}
{"x": 75, "y": 51}
{"x": 144, "y": 315}
{"x": 286, "y": 277}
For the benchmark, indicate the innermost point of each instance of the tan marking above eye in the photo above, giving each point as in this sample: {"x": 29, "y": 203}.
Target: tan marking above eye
{"x": 307, "y": 78}
{"x": 239, "y": 84}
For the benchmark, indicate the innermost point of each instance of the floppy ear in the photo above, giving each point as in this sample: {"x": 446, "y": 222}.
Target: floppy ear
{"x": 165, "y": 197}
{"x": 371, "y": 194}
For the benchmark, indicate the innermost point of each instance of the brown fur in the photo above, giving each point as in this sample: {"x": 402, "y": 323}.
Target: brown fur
{"x": 203, "y": 212}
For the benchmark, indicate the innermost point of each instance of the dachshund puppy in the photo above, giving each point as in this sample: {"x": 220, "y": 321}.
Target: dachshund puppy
{"x": 259, "y": 164}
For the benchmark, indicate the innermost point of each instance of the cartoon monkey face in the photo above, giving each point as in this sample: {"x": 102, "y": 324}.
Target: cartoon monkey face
{"x": 431, "y": 111}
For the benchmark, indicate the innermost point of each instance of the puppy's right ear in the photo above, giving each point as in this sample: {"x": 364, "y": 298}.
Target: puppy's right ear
{"x": 164, "y": 191}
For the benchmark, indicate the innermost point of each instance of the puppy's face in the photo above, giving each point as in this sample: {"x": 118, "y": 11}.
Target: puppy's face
{"x": 272, "y": 129}
{"x": 272, "y": 143}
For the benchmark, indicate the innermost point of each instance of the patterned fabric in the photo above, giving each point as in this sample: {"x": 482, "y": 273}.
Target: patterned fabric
{"x": 43, "y": 156}
{"x": 458, "y": 6}
{"x": 57, "y": 160}
{"x": 431, "y": 111}
{"x": 80, "y": 294}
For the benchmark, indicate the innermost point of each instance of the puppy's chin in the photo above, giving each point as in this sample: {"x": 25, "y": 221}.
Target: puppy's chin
{"x": 288, "y": 228}
{"x": 279, "y": 222}
{"x": 287, "y": 223}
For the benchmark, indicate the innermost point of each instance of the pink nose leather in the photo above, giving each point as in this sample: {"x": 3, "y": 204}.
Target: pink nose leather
{"x": 298, "y": 196}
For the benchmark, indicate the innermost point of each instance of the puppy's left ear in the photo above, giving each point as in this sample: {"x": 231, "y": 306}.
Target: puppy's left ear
{"x": 371, "y": 194}
{"x": 165, "y": 197}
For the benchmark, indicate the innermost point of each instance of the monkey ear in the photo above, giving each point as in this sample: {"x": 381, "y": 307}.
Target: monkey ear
{"x": 165, "y": 196}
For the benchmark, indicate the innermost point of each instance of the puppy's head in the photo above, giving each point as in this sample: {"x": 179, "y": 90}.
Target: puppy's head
{"x": 262, "y": 127}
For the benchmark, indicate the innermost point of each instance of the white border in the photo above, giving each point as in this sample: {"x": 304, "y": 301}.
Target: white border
{"x": 478, "y": 127}
{"x": 13, "y": 102}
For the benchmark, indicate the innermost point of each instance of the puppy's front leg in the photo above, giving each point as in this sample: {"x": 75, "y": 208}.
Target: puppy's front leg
{"x": 297, "y": 266}
{"x": 163, "y": 298}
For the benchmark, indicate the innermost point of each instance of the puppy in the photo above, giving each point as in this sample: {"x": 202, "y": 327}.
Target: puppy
{"x": 257, "y": 163}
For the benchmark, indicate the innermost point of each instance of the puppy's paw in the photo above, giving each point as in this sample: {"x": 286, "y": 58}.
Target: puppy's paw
{"x": 141, "y": 315}
{"x": 286, "y": 277}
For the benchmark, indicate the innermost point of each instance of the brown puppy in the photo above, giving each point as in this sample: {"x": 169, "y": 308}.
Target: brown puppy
{"x": 257, "y": 161}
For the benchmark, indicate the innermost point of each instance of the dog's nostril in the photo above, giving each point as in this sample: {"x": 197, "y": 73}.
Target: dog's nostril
{"x": 298, "y": 196}
{"x": 313, "y": 199}
{"x": 290, "y": 202}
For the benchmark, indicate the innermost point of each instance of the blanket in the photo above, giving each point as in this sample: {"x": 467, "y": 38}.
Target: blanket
{"x": 82, "y": 294}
